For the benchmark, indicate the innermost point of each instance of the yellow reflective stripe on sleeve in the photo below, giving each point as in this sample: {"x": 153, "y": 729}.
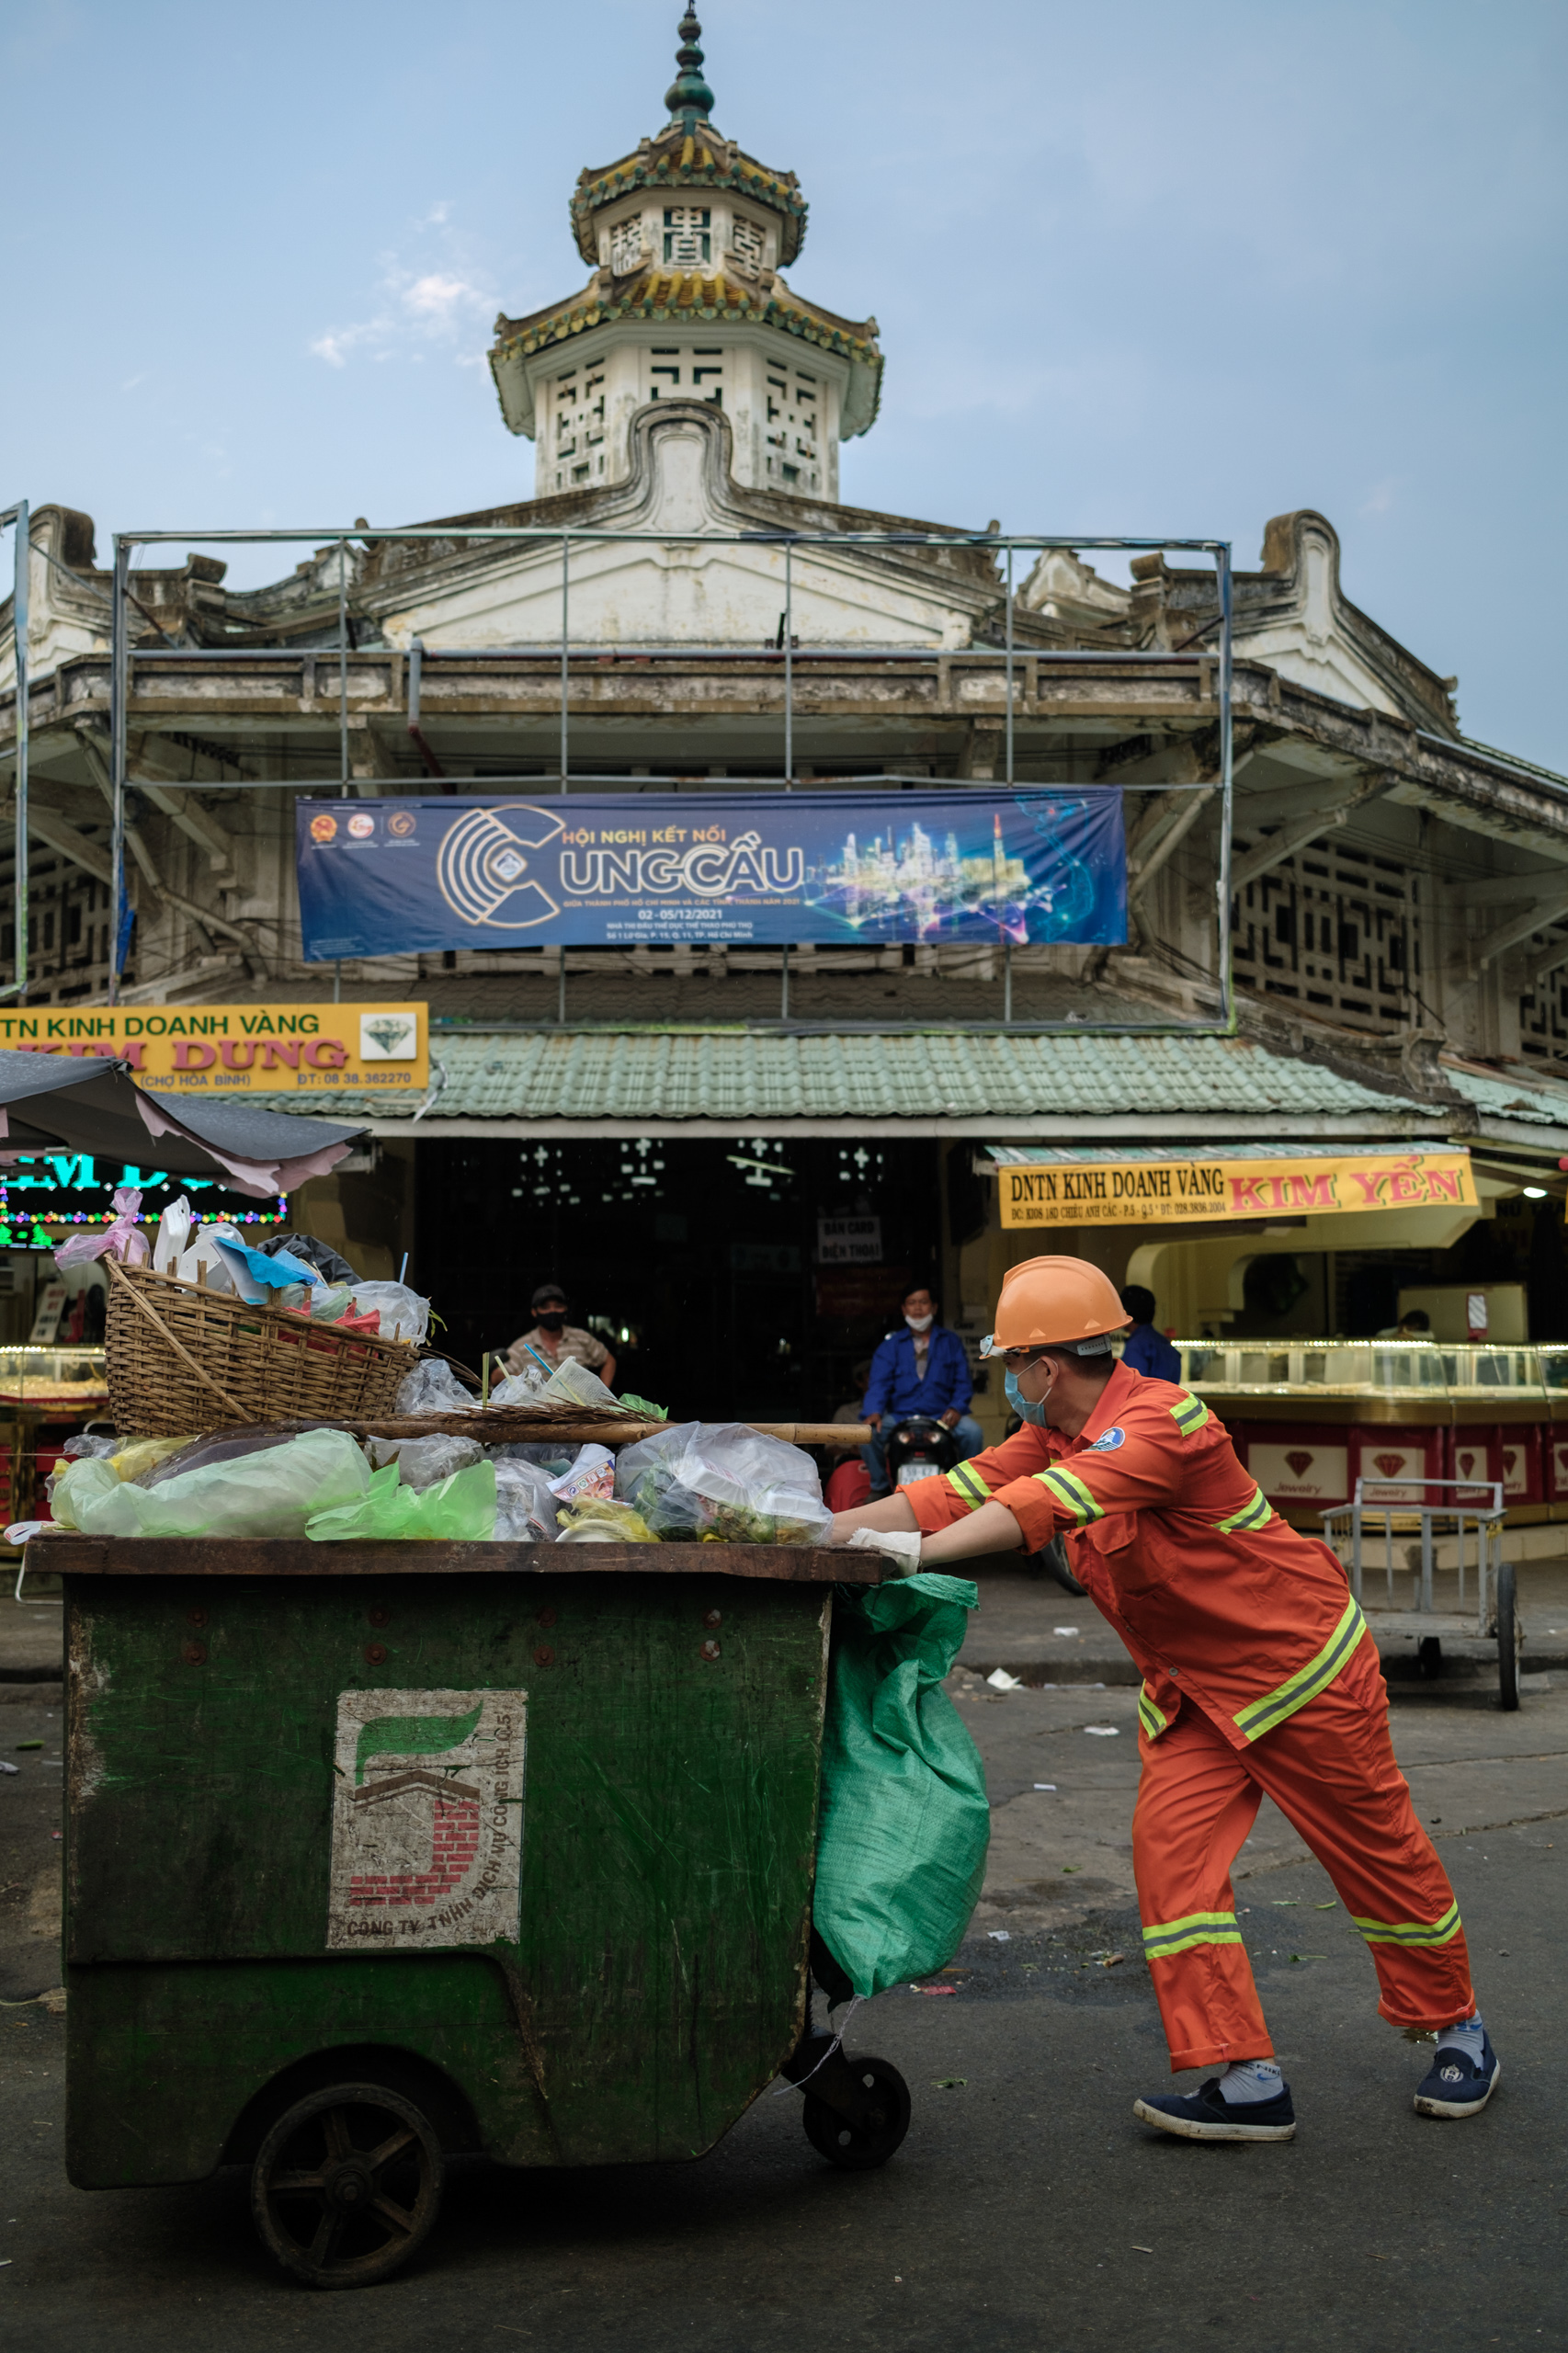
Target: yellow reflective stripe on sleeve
{"x": 1307, "y": 1682}
{"x": 1070, "y": 1495}
{"x": 969, "y": 1484}
{"x": 1148, "y": 1716}
{"x": 1256, "y": 1513}
{"x": 1411, "y": 1932}
{"x": 1189, "y": 1413}
{"x": 1170, "y": 1937}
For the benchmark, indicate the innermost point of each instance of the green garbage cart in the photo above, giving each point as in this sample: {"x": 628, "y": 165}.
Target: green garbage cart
{"x": 376, "y": 1852}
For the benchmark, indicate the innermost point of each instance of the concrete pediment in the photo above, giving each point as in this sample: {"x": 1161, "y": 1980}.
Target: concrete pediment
{"x": 671, "y": 588}
{"x": 1294, "y": 616}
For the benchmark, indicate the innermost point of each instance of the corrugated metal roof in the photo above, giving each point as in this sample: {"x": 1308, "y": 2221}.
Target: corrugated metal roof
{"x": 583, "y": 1075}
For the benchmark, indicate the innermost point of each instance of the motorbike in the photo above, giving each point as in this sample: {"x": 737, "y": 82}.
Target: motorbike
{"x": 918, "y": 1446}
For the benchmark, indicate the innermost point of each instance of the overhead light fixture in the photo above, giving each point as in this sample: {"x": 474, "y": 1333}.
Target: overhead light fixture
{"x": 1535, "y": 1192}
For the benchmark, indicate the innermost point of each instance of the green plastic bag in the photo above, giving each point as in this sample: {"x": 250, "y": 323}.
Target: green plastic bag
{"x": 271, "y": 1493}
{"x": 459, "y": 1509}
{"x": 905, "y": 1823}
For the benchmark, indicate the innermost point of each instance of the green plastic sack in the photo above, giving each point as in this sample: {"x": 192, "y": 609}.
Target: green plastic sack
{"x": 459, "y": 1509}
{"x": 905, "y": 1824}
{"x": 271, "y": 1493}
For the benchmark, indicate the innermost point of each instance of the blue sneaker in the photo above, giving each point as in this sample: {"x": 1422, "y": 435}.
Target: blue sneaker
{"x": 1206, "y": 2115}
{"x": 1455, "y": 2086}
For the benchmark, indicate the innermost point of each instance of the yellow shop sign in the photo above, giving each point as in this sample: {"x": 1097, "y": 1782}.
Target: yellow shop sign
{"x": 1164, "y": 1192}
{"x": 267, "y": 1049}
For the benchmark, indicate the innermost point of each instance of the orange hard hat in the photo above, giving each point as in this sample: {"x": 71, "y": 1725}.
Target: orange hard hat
{"x": 1056, "y": 1303}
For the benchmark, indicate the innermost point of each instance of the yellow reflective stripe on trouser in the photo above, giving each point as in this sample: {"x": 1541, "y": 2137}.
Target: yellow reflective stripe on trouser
{"x": 1168, "y": 1936}
{"x": 1148, "y": 1716}
{"x": 1256, "y": 1513}
{"x": 1070, "y": 1494}
{"x": 969, "y": 1485}
{"x": 1189, "y": 1415}
{"x": 1411, "y": 1932}
{"x": 1307, "y": 1682}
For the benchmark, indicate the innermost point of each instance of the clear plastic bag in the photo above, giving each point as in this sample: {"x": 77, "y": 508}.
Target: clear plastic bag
{"x": 434, "y": 1388}
{"x": 525, "y": 1388}
{"x": 553, "y": 1456}
{"x": 457, "y": 1510}
{"x": 723, "y": 1484}
{"x": 273, "y": 1492}
{"x": 525, "y": 1508}
{"x": 577, "y": 1386}
{"x": 424, "y": 1461}
{"x": 404, "y": 1314}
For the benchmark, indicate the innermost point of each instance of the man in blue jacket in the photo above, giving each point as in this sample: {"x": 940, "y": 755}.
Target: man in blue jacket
{"x": 920, "y": 1370}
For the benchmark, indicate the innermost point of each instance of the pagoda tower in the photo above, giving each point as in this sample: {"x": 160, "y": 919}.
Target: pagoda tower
{"x": 688, "y": 238}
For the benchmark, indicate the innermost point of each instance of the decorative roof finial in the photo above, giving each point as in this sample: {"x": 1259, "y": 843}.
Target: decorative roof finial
{"x": 688, "y": 96}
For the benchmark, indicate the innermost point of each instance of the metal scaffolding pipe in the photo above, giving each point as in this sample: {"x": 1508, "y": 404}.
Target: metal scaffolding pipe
{"x": 19, "y": 516}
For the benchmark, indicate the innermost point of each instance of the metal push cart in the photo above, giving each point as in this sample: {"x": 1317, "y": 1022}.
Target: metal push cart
{"x": 1424, "y": 1631}
{"x": 376, "y": 1851}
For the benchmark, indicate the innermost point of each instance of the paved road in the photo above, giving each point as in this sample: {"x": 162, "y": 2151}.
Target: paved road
{"x": 1026, "y": 2210}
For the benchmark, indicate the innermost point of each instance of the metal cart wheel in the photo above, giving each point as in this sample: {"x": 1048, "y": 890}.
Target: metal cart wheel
{"x": 883, "y": 2120}
{"x": 1507, "y": 1639}
{"x": 346, "y": 2184}
{"x": 1051, "y": 1562}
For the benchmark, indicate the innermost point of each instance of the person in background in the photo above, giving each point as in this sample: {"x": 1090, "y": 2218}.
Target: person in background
{"x": 1414, "y": 1325}
{"x": 555, "y": 1338}
{"x": 920, "y": 1368}
{"x": 1148, "y": 1351}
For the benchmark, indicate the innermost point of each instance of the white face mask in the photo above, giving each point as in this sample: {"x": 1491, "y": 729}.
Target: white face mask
{"x": 920, "y": 1323}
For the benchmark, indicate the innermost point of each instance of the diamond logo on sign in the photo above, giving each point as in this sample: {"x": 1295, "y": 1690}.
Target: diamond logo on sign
{"x": 1300, "y": 1461}
{"x": 427, "y": 1819}
{"x": 388, "y": 1038}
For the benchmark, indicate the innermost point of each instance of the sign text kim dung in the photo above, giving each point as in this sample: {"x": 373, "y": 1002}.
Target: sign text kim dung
{"x": 774, "y": 868}
{"x": 1126, "y": 1192}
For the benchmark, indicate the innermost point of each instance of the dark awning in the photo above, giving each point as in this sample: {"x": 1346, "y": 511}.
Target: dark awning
{"x": 94, "y": 1105}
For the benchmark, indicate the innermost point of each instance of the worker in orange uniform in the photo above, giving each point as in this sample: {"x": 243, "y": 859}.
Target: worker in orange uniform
{"x": 1260, "y": 1677}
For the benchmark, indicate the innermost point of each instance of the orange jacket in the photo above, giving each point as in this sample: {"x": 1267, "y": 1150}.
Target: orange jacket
{"x": 1215, "y": 1597}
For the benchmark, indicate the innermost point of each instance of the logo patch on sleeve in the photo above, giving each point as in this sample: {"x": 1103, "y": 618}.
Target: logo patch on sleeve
{"x": 1107, "y": 1442}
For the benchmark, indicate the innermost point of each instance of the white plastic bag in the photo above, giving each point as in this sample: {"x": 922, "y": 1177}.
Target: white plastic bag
{"x": 174, "y": 1236}
{"x": 525, "y": 1388}
{"x": 404, "y": 1315}
{"x": 434, "y": 1388}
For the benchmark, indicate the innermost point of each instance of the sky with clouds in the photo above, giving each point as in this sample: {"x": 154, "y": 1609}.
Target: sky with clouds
{"x": 1138, "y": 270}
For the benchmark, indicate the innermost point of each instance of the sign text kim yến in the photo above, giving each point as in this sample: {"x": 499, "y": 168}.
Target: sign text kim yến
{"x": 267, "y": 1049}
{"x": 1128, "y": 1192}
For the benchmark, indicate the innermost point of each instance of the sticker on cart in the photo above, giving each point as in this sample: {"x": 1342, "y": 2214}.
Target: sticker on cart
{"x": 427, "y": 1819}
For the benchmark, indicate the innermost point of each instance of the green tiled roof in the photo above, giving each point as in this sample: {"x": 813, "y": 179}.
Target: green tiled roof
{"x": 1506, "y": 1099}
{"x": 943, "y": 1074}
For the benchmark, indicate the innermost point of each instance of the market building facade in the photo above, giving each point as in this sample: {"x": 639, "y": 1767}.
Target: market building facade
{"x": 736, "y": 1156}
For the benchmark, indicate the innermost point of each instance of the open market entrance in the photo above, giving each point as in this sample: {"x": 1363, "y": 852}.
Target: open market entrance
{"x": 733, "y": 1279}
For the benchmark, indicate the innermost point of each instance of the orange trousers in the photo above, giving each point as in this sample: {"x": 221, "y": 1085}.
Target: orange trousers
{"x": 1330, "y": 1769}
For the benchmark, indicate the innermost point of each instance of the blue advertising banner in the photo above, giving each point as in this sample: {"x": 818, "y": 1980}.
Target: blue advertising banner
{"x": 386, "y": 878}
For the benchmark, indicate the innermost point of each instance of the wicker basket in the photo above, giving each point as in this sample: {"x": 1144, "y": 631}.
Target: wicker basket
{"x": 183, "y": 1359}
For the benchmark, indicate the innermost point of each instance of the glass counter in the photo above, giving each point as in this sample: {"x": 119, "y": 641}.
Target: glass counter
{"x": 57, "y": 1375}
{"x": 1418, "y": 1370}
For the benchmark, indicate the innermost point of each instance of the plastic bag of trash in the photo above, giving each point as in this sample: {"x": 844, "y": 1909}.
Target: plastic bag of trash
{"x": 434, "y": 1388}
{"x": 194, "y": 1453}
{"x": 273, "y": 1492}
{"x": 525, "y": 1388}
{"x": 174, "y": 1236}
{"x": 722, "y": 1484}
{"x": 552, "y": 1456}
{"x": 525, "y": 1508}
{"x": 905, "y": 1823}
{"x": 575, "y": 1385}
{"x": 592, "y": 1474}
{"x": 597, "y": 1520}
{"x": 457, "y": 1510}
{"x": 81, "y": 1443}
{"x": 422, "y": 1462}
{"x": 404, "y": 1314}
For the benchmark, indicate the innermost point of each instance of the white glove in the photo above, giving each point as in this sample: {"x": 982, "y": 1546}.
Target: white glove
{"x": 903, "y": 1544}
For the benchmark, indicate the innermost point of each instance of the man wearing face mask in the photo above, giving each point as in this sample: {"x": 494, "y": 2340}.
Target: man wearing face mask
{"x": 920, "y": 1370}
{"x": 1260, "y": 1677}
{"x": 554, "y": 1339}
